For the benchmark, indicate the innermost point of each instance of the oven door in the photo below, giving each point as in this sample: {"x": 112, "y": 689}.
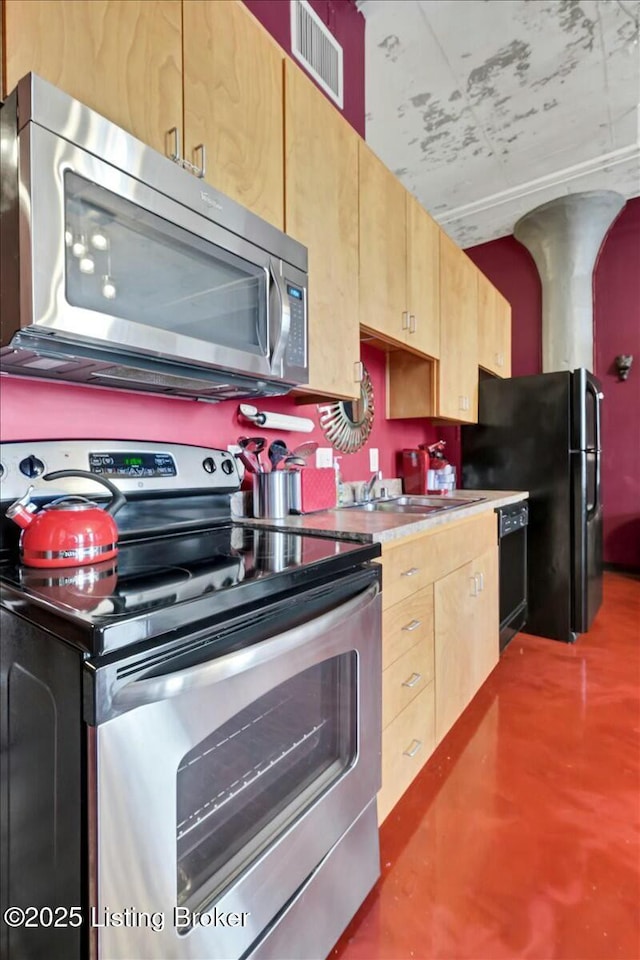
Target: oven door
{"x": 107, "y": 260}
{"x": 224, "y": 785}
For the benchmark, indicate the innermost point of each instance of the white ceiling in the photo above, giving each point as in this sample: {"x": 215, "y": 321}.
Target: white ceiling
{"x": 485, "y": 109}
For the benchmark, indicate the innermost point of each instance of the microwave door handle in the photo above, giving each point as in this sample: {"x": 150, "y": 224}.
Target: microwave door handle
{"x": 281, "y": 317}
{"x": 138, "y": 693}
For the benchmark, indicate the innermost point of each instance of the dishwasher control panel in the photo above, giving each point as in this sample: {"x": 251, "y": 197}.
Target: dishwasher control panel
{"x": 512, "y": 518}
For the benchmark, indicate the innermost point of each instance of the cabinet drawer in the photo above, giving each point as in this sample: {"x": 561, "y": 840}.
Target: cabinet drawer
{"x": 406, "y": 624}
{"x": 407, "y": 744}
{"x": 405, "y": 679}
{"x": 404, "y": 571}
{"x": 453, "y": 546}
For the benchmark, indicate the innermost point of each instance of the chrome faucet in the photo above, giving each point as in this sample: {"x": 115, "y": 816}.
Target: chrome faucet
{"x": 369, "y": 485}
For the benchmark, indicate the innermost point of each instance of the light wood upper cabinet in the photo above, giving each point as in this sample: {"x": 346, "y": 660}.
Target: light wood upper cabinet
{"x": 458, "y": 373}
{"x": 123, "y": 58}
{"x": 423, "y": 284}
{"x": 321, "y": 176}
{"x": 383, "y": 254}
{"x": 399, "y": 257}
{"x": 494, "y": 329}
{"x": 233, "y": 104}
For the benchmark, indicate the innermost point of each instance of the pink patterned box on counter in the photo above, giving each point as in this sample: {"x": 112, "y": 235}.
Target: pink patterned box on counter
{"x": 317, "y": 489}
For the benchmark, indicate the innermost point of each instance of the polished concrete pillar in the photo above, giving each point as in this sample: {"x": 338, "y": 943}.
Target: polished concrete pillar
{"x": 564, "y": 238}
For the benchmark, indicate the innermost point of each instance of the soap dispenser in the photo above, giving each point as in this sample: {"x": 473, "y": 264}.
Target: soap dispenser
{"x": 339, "y": 492}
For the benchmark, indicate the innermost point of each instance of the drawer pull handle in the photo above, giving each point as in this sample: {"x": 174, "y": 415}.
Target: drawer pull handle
{"x": 413, "y": 679}
{"x": 415, "y": 747}
{"x": 410, "y": 573}
{"x": 474, "y": 585}
{"x": 412, "y": 626}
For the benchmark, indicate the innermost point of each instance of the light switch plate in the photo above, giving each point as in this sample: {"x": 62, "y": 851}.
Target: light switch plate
{"x": 374, "y": 460}
{"x": 324, "y": 457}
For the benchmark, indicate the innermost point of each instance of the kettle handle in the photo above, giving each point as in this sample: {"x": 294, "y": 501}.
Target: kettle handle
{"x": 118, "y": 499}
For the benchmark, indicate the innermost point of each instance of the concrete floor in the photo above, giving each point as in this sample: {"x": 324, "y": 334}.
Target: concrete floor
{"x": 520, "y": 837}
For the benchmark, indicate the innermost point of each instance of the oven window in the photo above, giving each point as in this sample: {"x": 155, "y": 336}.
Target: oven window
{"x": 126, "y": 262}
{"x": 243, "y": 785}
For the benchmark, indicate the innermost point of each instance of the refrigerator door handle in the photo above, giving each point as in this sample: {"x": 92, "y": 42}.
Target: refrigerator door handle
{"x": 593, "y": 509}
{"x": 597, "y": 399}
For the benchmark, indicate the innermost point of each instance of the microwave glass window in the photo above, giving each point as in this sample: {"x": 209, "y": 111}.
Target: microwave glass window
{"x": 244, "y": 785}
{"x": 124, "y": 261}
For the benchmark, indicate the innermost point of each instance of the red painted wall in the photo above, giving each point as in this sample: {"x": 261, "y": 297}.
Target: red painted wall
{"x": 346, "y": 25}
{"x": 36, "y": 409}
{"x": 617, "y": 330}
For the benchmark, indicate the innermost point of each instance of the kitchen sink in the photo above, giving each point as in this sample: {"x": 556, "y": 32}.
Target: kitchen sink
{"x": 414, "y": 505}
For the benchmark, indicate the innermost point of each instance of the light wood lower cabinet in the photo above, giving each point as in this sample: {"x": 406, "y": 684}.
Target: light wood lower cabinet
{"x": 439, "y": 640}
{"x": 466, "y": 636}
{"x": 407, "y": 744}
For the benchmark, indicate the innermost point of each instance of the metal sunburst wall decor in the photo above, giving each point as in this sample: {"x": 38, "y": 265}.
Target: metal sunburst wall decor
{"x": 347, "y": 423}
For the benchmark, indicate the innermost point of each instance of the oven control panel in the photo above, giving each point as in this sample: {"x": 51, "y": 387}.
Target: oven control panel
{"x": 135, "y": 467}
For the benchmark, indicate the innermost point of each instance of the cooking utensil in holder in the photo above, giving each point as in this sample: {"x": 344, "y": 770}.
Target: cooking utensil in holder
{"x": 271, "y": 495}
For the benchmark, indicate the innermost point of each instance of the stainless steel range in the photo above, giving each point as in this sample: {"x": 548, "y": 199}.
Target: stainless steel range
{"x": 190, "y": 733}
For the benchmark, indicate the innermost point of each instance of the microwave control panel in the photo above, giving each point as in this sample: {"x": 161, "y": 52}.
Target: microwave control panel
{"x": 296, "y": 351}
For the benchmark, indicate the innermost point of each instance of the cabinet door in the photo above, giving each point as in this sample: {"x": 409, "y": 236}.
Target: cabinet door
{"x": 122, "y": 58}
{"x": 233, "y": 105}
{"x": 423, "y": 280}
{"x": 455, "y": 608}
{"x": 486, "y": 645}
{"x": 321, "y": 176}
{"x": 383, "y": 255}
{"x": 458, "y": 378}
{"x": 494, "y": 329}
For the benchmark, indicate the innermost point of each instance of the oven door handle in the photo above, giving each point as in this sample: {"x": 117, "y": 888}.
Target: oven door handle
{"x": 138, "y": 693}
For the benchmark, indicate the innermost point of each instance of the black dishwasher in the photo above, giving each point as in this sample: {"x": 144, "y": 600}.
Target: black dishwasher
{"x": 512, "y": 540}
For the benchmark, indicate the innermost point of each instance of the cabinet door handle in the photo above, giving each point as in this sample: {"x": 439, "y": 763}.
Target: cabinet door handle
{"x": 414, "y": 747}
{"x": 413, "y": 679}
{"x": 409, "y": 627}
{"x": 199, "y": 171}
{"x": 461, "y": 400}
{"x": 358, "y": 371}
{"x": 405, "y": 319}
{"x": 410, "y": 573}
{"x": 413, "y": 323}
{"x": 474, "y": 585}
{"x": 480, "y": 577}
{"x": 175, "y": 153}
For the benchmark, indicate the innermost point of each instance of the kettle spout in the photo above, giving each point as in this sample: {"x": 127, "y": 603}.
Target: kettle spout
{"x": 21, "y": 511}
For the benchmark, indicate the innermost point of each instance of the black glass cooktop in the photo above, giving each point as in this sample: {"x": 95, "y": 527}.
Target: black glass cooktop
{"x": 168, "y": 582}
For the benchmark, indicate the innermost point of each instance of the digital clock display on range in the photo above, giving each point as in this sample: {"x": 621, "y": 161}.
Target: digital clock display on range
{"x": 132, "y": 464}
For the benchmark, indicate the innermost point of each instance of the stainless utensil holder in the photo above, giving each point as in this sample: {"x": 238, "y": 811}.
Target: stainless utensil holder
{"x": 295, "y": 491}
{"x": 271, "y": 495}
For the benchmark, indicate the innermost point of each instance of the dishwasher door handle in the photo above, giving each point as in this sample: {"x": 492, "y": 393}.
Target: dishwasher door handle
{"x": 153, "y": 689}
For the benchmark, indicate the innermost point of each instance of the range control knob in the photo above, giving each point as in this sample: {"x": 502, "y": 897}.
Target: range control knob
{"x": 227, "y": 467}
{"x": 209, "y": 464}
{"x": 31, "y": 466}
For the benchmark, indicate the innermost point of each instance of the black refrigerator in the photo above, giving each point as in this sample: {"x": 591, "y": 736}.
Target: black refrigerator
{"x": 542, "y": 434}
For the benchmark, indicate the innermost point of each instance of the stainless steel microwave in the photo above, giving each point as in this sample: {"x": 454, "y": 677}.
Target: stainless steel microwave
{"x": 119, "y": 268}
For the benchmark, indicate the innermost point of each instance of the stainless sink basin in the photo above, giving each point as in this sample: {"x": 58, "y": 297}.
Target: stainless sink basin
{"x": 420, "y": 506}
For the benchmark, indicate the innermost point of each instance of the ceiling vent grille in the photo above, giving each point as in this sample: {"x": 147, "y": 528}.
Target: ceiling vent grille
{"x": 317, "y": 49}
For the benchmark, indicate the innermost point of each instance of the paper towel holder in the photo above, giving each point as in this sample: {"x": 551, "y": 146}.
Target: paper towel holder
{"x": 275, "y": 421}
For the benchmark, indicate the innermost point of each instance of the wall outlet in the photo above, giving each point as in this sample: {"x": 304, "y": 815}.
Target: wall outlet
{"x": 233, "y": 448}
{"x": 374, "y": 460}
{"x": 324, "y": 457}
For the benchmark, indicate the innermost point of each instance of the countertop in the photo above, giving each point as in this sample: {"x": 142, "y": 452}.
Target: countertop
{"x": 353, "y": 524}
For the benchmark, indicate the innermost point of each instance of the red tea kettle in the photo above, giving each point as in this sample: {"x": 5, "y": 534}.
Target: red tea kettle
{"x": 69, "y": 531}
